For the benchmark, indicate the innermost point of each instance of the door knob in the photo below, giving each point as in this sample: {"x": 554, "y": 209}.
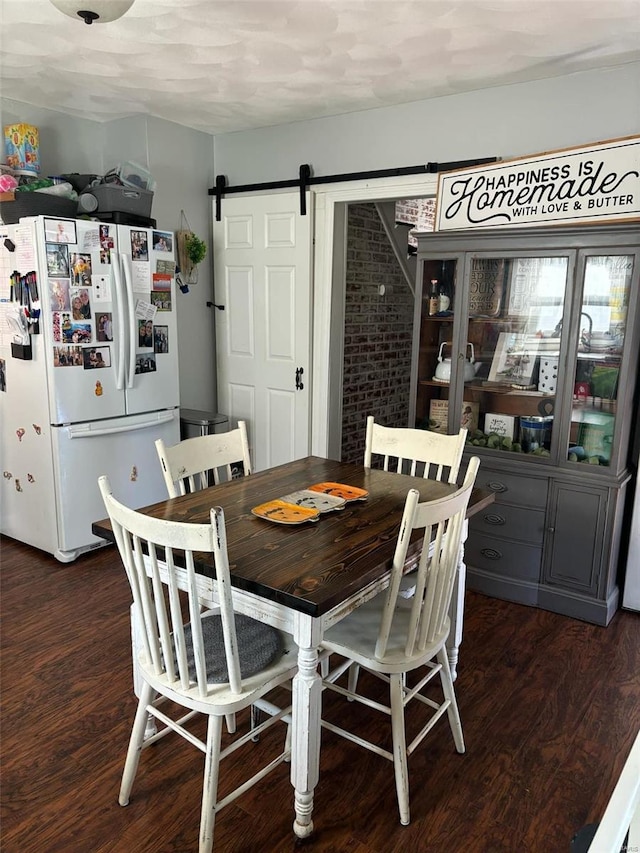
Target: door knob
{"x": 299, "y": 382}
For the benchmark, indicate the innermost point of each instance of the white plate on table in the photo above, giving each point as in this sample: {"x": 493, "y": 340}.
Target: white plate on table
{"x": 315, "y": 500}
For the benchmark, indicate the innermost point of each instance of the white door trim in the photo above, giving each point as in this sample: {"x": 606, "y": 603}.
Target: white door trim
{"x": 327, "y": 380}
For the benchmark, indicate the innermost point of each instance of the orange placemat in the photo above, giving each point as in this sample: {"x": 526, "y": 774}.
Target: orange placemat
{"x": 340, "y": 490}
{"x": 282, "y": 512}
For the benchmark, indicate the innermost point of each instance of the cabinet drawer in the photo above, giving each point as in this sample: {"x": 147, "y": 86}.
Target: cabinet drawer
{"x": 514, "y": 489}
{"x": 501, "y": 557}
{"x": 512, "y": 522}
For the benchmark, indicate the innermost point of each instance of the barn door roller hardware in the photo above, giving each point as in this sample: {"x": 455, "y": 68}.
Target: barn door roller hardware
{"x": 306, "y": 179}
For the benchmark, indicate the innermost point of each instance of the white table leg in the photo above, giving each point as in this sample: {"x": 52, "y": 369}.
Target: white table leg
{"x": 307, "y": 707}
{"x": 456, "y": 609}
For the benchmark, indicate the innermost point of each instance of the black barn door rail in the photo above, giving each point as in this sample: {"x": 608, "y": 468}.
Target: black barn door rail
{"x": 306, "y": 179}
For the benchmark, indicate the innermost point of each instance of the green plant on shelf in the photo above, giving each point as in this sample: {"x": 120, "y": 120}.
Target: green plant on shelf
{"x": 493, "y": 441}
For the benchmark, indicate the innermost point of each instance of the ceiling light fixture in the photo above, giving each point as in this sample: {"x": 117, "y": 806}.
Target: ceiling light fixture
{"x": 90, "y": 11}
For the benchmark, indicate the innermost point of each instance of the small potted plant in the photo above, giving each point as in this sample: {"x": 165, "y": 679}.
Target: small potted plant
{"x": 195, "y": 248}
{"x": 191, "y": 251}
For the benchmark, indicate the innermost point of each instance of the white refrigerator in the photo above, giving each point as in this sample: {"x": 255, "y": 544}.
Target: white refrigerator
{"x": 100, "y": 382}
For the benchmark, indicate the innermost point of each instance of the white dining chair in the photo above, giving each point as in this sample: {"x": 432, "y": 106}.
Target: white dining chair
{"x": 189, "y": 465}
{"x": 418, "y": 452}
{"x": 194, "y": 463}
{"x": 390, "y": 636}
{"x": 216, "y": 665}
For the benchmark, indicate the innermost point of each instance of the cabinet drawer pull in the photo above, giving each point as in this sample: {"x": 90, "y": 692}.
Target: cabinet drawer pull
{"x": 491, "y": 553}
{"x": 492, "y": 518}
{"x": 496, "y": 486}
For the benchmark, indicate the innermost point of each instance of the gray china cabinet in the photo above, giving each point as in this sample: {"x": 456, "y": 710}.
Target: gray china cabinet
{"x": 529, "y": 337}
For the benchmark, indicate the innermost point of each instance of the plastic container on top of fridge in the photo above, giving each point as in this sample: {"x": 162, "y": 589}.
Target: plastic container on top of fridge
{"x": 136, "y": 176}
{"x": 110, "y": 198}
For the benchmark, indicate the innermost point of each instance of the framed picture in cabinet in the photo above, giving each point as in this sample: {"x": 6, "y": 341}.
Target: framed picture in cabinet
{"x": 514, "y": 359}
{"x": 439, "y": 415}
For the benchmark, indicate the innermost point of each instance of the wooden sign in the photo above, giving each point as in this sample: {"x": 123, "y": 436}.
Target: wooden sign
{"x": 597, "y": 183}
{"x": 503, "y": 425}
{"x": 486, "y": 283}
{"x": 439, "y": 415}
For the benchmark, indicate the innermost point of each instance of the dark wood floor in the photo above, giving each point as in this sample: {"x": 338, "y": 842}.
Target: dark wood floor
{"x": 549, "y": 706}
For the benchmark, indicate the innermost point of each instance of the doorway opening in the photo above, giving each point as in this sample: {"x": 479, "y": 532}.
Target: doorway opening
{"x": 370, "y": 281}
{"x": 378, "y": 324}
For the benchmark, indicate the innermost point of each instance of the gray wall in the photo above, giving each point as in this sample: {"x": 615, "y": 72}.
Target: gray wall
{"x": 506, "y": 121}
{"x": 181, "y": 161}
{"x": 66, "y": 144}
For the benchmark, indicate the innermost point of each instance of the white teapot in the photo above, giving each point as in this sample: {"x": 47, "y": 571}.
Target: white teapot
{"x": 443, "y": 369}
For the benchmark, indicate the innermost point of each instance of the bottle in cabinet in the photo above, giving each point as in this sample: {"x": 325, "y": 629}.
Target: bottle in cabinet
{"x": 434, "y": 298}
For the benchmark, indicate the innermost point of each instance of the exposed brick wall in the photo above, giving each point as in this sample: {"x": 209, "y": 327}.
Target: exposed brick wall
{"x": 378, "y": 333}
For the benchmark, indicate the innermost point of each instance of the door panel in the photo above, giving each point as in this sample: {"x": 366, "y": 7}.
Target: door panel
{"x": 152, "y": 373}
{"x": 124, "y": 450}
{"x": 281, "y": 413}
{"x": 238, "y": 232}
{"x": 578, "y": 536}
{"x": 241, "y": 398}
{"x": 239, "y": 302}
{"x": 76, "y": 392}
{"x": 279, "y": 316}
{"x": 262, "y": 264}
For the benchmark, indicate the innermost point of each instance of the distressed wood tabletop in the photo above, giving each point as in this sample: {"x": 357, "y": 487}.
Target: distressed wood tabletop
{"x": 314, "y": 566}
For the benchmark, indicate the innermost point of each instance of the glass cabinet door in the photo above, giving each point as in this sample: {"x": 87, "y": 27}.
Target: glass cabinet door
{"x": 509, "y": 352}
{"x": 603, "y": 319}
{"x": 515, "y": 327}
{"x": 438, "y": 306}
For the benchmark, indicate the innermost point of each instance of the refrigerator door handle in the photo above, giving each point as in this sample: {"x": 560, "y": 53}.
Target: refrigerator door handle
{"x": 89, "y": 432}
{"x": 132, "y": 320}
{"x": 116, "y": 280}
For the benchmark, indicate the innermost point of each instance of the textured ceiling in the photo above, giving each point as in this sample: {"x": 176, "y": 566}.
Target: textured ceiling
{"x": 224, "y": 65}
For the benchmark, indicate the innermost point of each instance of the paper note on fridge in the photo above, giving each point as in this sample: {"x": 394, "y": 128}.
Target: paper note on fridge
{"x": 142, "y": 276}
{"x": 18, "y": 325}
{"x": 90, "y": 240}
{"x": 145, "y": 310}
{"x": 101, "y": 288}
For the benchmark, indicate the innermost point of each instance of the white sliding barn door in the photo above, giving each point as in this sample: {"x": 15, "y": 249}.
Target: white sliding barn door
{"x": 262, "y": 272}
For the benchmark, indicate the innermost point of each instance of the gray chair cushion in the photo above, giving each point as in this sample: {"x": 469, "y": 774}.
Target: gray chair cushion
{"x": 258, "y": 646}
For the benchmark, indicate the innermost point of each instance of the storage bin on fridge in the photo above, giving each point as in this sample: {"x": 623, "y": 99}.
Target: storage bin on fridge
{"x": 112, "y": 198}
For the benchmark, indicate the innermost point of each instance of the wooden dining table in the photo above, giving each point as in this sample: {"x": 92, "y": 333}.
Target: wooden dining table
{"x": 304, "y": 578}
